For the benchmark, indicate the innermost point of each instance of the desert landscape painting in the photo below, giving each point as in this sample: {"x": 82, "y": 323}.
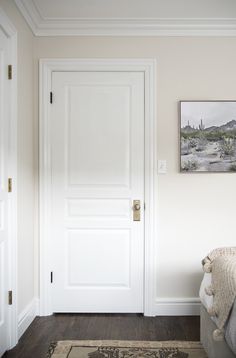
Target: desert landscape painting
{"x": 208, "y": 136}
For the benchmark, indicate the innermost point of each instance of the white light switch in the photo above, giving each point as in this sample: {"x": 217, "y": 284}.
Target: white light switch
{"x": 162, "y": 167}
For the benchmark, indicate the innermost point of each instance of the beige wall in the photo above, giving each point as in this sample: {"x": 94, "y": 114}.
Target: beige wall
{"x": 25, "y": 156}
{"x": 196, "y": 212}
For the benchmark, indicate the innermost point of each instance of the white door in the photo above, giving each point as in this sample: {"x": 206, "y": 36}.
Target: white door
{"x": 4, "y": 120}
{"x": 97, "y": 172}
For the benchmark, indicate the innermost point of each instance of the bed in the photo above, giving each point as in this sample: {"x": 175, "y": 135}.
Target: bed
{"x": 226, "y": 347}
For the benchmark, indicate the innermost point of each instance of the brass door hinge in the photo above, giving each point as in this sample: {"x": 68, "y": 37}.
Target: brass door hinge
{"x": 10, "y": 72}
{"x": 9, "y": 185}
{"x": 10, "y": 297}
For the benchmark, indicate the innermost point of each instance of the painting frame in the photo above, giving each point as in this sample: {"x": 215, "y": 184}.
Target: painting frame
{"x": 207, "y": 142}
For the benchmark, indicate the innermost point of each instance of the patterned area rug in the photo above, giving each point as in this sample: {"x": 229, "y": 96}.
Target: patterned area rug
{"x": 126, "y": 349}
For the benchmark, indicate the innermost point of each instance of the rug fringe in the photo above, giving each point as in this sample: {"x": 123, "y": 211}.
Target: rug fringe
{"x": 51, "y": 349}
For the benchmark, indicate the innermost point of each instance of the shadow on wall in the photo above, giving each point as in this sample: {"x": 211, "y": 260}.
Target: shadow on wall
{"x": 188, "y": 283}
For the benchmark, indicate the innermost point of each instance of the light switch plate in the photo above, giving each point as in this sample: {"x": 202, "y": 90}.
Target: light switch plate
{"x": 162, "y": 167}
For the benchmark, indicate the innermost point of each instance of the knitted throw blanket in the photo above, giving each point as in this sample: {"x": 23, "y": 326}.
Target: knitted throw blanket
{"x": 222, "y": 264}
{"x": 221, "y": 251}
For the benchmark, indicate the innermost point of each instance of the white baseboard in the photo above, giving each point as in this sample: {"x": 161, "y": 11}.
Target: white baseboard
{"x": 27, "y": 316}
{"x": 162, "y": 307}
{"x": 177, "y": 306}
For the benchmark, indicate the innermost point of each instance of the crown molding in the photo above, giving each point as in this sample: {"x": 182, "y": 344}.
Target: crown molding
{"x": 43, "y": 26}
{"x": 6, "y": 26}
{"x": 30, "y": 13}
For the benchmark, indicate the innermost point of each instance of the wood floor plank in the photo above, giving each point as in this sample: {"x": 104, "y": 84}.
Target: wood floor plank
{"x": 43, "y": 330}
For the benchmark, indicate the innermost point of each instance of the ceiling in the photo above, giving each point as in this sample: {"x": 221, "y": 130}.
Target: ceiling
{"x": 130, "y": 17}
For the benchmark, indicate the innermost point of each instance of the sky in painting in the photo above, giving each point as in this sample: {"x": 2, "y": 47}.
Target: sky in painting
{"x": 211, "y": 113}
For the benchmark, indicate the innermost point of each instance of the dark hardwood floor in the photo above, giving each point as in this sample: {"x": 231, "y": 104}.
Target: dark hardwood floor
{"x": 35, "y": 341}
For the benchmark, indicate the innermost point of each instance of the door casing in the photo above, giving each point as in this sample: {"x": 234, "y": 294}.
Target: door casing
{"x": 11, "y": 33}
{"x": 46, "y": 67}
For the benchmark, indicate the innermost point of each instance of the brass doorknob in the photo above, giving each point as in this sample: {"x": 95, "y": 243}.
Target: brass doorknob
{"x": 137, "y": 207}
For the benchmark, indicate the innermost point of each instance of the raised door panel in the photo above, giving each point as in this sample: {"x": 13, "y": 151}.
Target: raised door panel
{"x": 98, "y": 258}
{"x": 98, "y": 145}
{"x": 99, "y": 208}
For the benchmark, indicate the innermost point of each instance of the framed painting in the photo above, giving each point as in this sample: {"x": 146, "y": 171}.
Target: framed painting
{"x": 208, "y": 136}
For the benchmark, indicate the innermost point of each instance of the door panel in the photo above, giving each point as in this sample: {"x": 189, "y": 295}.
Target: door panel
{"x": 99, "y": 208}
{"x": 89, "y": 161}
{"x": 110, "y": 248}
{"x": 97, "y": 172}
{"x": 3, "y": 192}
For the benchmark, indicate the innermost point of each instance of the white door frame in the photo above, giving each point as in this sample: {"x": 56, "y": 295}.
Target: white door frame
{"x": 11, "y": 33}
{"x": 46, "y": 67}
